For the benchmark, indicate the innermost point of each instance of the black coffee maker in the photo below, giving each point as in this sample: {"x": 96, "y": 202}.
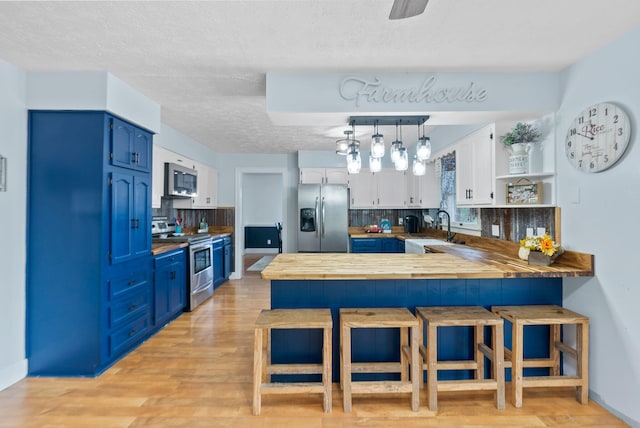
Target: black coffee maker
{"x": 411, "y": 223}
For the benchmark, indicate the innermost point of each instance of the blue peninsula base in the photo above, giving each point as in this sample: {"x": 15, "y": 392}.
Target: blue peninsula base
{"x": 454, "y": 343}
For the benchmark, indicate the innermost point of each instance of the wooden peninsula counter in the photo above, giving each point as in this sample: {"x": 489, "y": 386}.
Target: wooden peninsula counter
{"x": 451, "y": 275}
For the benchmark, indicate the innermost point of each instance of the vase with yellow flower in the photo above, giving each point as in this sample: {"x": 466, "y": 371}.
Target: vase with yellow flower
{"x": 539, "y": 250}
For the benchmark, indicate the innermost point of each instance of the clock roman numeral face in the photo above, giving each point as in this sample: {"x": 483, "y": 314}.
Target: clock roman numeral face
{"x": 597, "y": 137}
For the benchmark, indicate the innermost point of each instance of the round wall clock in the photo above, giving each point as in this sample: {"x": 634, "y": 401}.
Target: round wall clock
{"x": 597, "y": 137}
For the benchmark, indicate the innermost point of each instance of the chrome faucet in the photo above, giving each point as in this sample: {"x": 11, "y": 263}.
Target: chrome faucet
{"x": 449, "y": 236}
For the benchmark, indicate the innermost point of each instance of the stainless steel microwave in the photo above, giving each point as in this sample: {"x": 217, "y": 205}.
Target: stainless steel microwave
{"x": 179, "y": 181}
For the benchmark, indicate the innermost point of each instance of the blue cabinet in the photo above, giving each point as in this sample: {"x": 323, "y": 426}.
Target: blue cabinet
{"x": 227, "y": 258}
{"x": 218, "y": 262}
{"x": 89, "y": 281}
{"x": 130, "y": 146}
{"x": 376, "y": 245}
{"x": 169, "y": 286}
{"x": 130, "y": 216}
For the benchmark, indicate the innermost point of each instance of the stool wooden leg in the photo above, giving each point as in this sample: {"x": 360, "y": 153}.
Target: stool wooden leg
{"x": 266, "y": 354}
{"x": 421, "y": 344}
{"x": 346, "y": 368}
{"x": 554, "y": 353}
{"x": 582, "y": 369}
{"x": 497, "y": 343}
{"x": 257, "y": 369}
{"x": 432, "y": 363}
{"x": 326, "y": 369}
{"x": 478, "y": 336}
{"x": 517, "y": 334}
{"x": 416, "y": 369}
{"x": 404, "y": 361}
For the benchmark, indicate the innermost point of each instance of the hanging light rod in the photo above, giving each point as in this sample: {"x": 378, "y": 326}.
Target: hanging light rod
{"x": 387, "y": 120}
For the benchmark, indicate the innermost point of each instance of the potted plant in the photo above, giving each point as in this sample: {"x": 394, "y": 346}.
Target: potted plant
{"x": 519, "y": 140}
{"x": 522, "y": 133}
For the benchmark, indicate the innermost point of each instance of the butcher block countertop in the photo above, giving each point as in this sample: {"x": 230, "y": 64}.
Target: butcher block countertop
{"x": 478, "y": 258}
{"x": 163, "y": 247}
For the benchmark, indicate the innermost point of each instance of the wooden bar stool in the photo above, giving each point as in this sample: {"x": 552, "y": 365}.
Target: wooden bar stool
{"x": 463, "y": 316}
{"x": 380, "y": 318}
{"x": 555, "y": 317}
{"x": 262, "y": 367}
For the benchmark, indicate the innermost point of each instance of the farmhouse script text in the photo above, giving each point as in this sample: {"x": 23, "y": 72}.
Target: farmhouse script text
{"x": 372, "y": 91}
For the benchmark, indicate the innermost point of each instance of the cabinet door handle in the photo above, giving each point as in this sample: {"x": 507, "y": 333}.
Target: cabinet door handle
{"x": 172, "y": 275}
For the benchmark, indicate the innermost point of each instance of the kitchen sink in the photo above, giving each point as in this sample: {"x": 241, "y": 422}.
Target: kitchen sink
{"x": 416, "y": 246}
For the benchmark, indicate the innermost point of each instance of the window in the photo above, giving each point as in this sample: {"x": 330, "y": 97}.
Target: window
{"x": 464, "y": 218}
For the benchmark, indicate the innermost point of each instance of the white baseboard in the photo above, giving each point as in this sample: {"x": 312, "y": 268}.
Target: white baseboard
{"x": 13, "y": 373}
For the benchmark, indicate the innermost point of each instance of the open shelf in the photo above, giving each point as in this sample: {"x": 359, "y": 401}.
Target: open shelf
{"x": 531, "y": 175}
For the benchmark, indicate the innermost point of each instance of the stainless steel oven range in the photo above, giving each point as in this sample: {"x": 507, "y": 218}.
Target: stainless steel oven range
{"x": 200, "y": 269}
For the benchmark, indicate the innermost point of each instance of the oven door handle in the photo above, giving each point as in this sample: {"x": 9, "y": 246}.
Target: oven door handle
{"x": 202, "y": 287}
{"x": 199, "y": 247}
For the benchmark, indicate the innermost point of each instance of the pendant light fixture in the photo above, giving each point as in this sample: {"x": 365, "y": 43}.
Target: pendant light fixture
{"x": 423, "y": 146}
{"x": 377, "y": 143}
{"x": 375, "y": 164}
{"x": 418, "y": 167}
{"x": 403, "y": 160}
{"x": 395, "y": 147}
{"x": 354, "y": 161}
{"x": 342, "y": 145}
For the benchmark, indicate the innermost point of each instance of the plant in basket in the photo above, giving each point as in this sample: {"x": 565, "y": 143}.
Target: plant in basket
{"x": 539, "y": 250}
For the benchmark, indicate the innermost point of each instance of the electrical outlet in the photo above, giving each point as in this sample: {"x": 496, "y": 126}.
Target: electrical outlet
{"x": 541, "y": 231}
{"x": 400, "y": 221}
{"x": 495, "y": 230}
{"x": 268, "y": 241}
{"x": 529, "y": 231}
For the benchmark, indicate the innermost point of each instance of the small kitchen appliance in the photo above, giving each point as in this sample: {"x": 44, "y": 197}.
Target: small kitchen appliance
{"x": 411, "y": 223}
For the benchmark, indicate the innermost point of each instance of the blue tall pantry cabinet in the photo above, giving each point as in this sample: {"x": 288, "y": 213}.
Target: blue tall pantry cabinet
{"x": 89, "y": 264}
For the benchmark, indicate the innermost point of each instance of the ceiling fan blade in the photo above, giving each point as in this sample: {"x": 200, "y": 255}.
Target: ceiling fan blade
{"x": 407, "y": 8}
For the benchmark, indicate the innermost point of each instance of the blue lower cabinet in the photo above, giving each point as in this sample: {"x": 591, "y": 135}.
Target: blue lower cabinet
{"x": 218, "y": 262}
{"x": 376, "y": 245}
{"x": 126, "y": 337}
{"x": 169, "y": 286}
{"x": 227, "y": 258}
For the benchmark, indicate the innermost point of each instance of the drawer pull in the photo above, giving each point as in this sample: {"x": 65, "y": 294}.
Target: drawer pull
{"x": 134, "y": 282}
{"x": 132, "y": 307}
{"x": 133, "y": 332}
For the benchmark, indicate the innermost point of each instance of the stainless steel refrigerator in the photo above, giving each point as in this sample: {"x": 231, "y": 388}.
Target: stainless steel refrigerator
{"x": 323, "y": 218}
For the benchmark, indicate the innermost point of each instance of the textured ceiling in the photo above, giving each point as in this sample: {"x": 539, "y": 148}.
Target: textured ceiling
{"x": 205, "y": 62}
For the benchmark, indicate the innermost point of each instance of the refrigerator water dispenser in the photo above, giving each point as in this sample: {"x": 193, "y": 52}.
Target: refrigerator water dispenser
{"x": 307, "y": 220}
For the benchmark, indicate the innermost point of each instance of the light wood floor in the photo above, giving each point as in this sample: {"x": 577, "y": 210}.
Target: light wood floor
{"x": 197, "y": 372}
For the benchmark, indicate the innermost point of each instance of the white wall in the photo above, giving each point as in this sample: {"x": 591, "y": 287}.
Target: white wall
{"x": 604, "y": 222}
{"x": 13, "y": 218}
{"x": 184, "y": 145}
{"x": 262, "y": 199}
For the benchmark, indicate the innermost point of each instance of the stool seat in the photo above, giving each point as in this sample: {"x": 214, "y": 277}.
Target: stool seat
{"x": 401, "y": 318}
{"x": 463, "y": 316}
{"x": 555, "y": 317}
{"x": 263, "y": 368}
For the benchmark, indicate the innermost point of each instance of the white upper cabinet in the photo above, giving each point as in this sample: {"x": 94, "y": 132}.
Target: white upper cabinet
{"x": 475, "y": 182}
{"x": 160, "y": 156}
{"x": 384, "y": 189}
{"x": 324, "y": 176}
{"x": 423, "y": 191}
{"x": 391, "y": 188}
{"x": 362, "y": 191}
